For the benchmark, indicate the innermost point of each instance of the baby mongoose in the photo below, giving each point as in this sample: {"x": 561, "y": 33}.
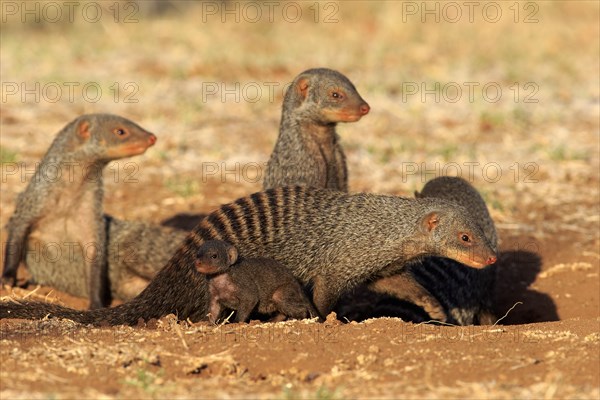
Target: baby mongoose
{"x": 328, "y": 239}
{"x": 251, "y": 284}
{"x": 308, "y": 150}
{"x": 448, "y": 290}
{"x": 58, "y": 228}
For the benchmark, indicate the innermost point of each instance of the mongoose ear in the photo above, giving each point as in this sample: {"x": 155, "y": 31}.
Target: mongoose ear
{"x": 430, "y": 221}
{"x": 83, "y": 129}
{"x": 233, "y": 254}
{"x": 302, "y": 87}
{"x": 417, "y": 194}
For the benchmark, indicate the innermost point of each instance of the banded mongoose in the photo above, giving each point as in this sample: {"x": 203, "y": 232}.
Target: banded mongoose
{"x": 448, "y": 290}
{"x": 328, "y": 239}
{"x": 308, "y": 150}
{"x": 136, "y": 252}
{"x": 245, "y": 285}
{"x": 58, "y": 228}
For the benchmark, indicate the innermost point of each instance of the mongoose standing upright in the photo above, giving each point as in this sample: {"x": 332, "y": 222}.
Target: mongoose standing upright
{"x": 308, "y": 150}
{"x": 58, "y": 227}
{"x": 245, "y": 285}
{"x": 328, "y": 239}
{"x": 448, "y": 290}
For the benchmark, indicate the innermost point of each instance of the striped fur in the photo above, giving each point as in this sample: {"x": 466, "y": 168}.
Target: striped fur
{"x": 330, "y": 240}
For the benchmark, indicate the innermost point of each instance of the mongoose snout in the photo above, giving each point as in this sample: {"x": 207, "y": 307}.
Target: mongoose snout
{"x": 205, "y": 268}
{"x": 348, "y": 114}
{"x": 475, "y": 260}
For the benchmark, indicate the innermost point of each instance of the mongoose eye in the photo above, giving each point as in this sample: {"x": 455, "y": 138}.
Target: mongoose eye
{"x": 120, "y": 132}
{"x": 214, "y": 256}
{"x": 337, "y": 95}
{"x": 465, "y": 238}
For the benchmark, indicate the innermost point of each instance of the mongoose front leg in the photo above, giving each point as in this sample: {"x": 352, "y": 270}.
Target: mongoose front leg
{"x": 404, "y": 287}
{"x": 97, "y": 268}
{"x": 342, "y": 171}
{"x": 323, "y": 298}
{"x": 13, "y": 253}
{"x": 245, "y": 308}
{"x": 292, "y": 304}
{"x": 214, "y": 310}
{"x": 98, "y": 284}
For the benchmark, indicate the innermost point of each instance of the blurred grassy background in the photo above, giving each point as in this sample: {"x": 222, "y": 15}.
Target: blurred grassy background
{"x": 167, "y": 58}
{"x": 547, "y": 151}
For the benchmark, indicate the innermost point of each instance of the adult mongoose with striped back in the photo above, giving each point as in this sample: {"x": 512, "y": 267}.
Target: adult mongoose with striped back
{"x": 245, "y": 285}
{"x": 446, "y": 289}
{"x": 330, "y": 240}
{"x": 58, "y": 228}
{"x": 308, "y": 150}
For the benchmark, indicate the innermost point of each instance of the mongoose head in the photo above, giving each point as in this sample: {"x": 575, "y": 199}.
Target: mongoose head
{"x": 107, "y": 137}
{"x": 460, "y": 191}
{"x": 215, "y": 257}
{"x": 453, "y": 233}
{"x": 324, "y": 96}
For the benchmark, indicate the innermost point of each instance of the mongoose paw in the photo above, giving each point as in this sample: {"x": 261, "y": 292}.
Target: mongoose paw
{"x": 9, "y": 280}
{"x": 278, "y": 318}
{"x": 433, "y": 309}
{"x": 486, "y": 318}
{"x": 437, "y": 315}
{"x": 211, "y": 318}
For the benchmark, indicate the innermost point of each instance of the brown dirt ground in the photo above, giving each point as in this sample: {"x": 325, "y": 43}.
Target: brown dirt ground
{"x": 547, "y": 347}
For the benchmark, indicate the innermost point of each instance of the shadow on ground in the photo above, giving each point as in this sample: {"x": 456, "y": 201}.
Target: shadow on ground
{"x": 515, "y": 272}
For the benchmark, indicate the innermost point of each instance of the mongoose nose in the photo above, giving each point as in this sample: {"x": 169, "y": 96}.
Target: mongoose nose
{"x": 152, "y": 139}
{"x": 491, "y": 260}
{"x": 364, "y": 109}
